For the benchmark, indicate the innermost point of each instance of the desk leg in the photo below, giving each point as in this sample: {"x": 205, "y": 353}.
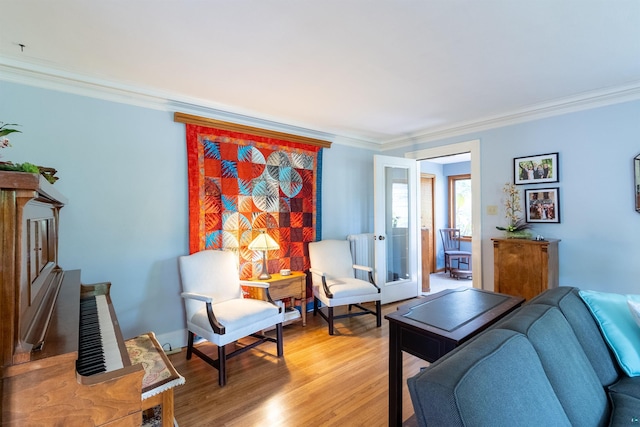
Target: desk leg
{"x": 395, "y": 376}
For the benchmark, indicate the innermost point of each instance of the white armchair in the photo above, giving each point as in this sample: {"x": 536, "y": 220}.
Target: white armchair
{"x": 217, "y": 310}
{"x": 334, "y": 283}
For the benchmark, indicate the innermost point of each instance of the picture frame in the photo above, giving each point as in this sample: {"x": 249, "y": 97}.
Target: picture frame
{"x": 542, "y": 205}
{"x": 536, "y": 169}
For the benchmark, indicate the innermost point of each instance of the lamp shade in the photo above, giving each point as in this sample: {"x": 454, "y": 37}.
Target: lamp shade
{"x": 263, "y": 242}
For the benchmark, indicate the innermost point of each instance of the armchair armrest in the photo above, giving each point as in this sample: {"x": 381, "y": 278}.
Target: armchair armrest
{"x": 217, "y": 327}
{"x": 362, "y": 267}
{"x": 254, "y": 284}
{"x": 370, "y": 271}
{"x": 316, "y": 271}
{"x": 193, "y": 295}
{"x": 260, "y": 285}
{"x": 327, "y": 292}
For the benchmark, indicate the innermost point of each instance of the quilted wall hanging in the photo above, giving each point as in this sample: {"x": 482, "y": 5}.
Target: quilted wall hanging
{"x": 242, "y": 184}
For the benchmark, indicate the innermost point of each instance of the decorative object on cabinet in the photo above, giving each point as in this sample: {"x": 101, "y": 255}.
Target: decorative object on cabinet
{"x": 4, "y": 131}
{"x": 48, "y": 173}
{"x": 543, "y": 205}
{"x": 517, "y": 228}
{"x": 525, "y": 268}
{"x": 536, "y": 169}
{"x": 636, "y": 170}
{"x": 263, "y": 242}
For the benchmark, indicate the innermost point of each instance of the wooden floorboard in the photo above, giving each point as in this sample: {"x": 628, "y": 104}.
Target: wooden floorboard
{"x": 322, "y": 380}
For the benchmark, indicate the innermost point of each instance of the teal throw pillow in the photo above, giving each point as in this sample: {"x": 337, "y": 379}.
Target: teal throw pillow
{"x": 634, "y": 306}
{"x": 618, "y": 327}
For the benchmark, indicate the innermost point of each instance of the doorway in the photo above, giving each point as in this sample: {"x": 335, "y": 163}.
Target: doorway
{"x": 472, "y": 148}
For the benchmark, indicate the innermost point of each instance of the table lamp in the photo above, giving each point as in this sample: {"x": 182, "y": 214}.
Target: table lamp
{"x": 264, "y": 243}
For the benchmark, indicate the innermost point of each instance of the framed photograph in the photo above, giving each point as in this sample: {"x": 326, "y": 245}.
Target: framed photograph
{"x": 543, "y": 205}
{"x": 535, "y": 169}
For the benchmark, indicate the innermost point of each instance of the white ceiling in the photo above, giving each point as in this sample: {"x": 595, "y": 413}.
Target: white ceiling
{"x": 377, "y": 71}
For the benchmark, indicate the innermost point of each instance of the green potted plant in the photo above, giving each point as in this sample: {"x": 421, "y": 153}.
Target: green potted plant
{"x": 517, "y": 228}
{"x": 5, "y": 130}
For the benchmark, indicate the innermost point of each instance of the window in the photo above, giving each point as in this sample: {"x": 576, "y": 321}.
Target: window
{"x": 400, "y": 205}
{"x": 460, "y": 204}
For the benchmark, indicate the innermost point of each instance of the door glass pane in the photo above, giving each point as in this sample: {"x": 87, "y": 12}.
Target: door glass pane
{"x": 397, "y": 223}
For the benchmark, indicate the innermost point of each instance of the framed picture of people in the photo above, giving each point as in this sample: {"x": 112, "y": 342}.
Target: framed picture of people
{"x": 543, "y": 205}
{"x": 535, "y": 169}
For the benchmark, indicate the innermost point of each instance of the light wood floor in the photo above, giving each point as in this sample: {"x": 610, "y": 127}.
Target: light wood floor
{"x": 322, "y": 380}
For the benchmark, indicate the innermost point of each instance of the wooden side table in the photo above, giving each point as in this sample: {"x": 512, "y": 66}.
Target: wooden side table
{"x": 293, "y": 285}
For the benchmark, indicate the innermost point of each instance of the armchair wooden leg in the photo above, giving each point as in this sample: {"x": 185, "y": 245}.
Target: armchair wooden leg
{"x": 190, "y": 345}
{"x": 378, "y": 314}
{"x": 315, "y": 306}
{"x": 222, "y": 366}
{"x": 330, "y": 320}
{"x": 280, "y": 342}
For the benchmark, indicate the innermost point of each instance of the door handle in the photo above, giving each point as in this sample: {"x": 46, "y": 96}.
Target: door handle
{"x": 380, "y": 237}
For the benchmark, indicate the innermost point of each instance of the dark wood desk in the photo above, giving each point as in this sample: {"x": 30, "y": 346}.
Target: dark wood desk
{"x": 432, "y": 326}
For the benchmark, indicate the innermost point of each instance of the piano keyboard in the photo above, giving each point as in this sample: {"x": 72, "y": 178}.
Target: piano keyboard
{"x": 98, "y": 349}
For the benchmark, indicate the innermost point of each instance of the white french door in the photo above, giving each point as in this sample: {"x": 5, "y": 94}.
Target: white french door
{"x": 396, "y": 227}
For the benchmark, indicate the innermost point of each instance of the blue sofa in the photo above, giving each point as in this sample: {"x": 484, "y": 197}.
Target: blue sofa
{"x": 546, "y": 364}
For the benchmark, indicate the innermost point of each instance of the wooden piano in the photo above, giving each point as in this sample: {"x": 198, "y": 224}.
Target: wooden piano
{"x": 62, "y": 356}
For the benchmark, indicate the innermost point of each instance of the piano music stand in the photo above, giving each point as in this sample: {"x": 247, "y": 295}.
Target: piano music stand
{"x": 159, "y": 375}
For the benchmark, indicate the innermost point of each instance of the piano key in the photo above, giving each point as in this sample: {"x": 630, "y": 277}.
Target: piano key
{"x": 98, "y": 349}
{"x": 112, "y": 355}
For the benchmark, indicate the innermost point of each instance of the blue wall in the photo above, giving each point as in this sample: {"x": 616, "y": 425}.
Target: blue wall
{"x": 347, "y": 192}
{"x": 123, "y": 169}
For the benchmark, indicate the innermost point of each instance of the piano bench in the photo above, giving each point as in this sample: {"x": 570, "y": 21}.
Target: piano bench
{"x": 159, "y": 374}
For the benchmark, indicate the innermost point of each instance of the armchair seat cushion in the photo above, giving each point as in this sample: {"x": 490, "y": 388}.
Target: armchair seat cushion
{"x": 236, "y": 313}
{"x": 350, "y": 287}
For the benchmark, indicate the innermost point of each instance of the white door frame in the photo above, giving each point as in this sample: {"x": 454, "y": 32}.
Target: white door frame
{"x": 472, "y": 147}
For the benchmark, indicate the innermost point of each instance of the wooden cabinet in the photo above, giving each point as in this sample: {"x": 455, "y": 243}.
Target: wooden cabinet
{"x": 525, "y": 268}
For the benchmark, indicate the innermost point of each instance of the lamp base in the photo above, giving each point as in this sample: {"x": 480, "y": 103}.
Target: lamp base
{"x": 264, "y": 276}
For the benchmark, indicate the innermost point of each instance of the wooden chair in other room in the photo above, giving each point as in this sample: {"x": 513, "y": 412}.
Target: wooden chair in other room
{"x": 451, "y": 244}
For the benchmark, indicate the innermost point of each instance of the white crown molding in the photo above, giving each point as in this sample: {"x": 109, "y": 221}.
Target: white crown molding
{"x": 49, "y": 78}
{"x": 64, "y": 81}
{"x": 585, "y": 101}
